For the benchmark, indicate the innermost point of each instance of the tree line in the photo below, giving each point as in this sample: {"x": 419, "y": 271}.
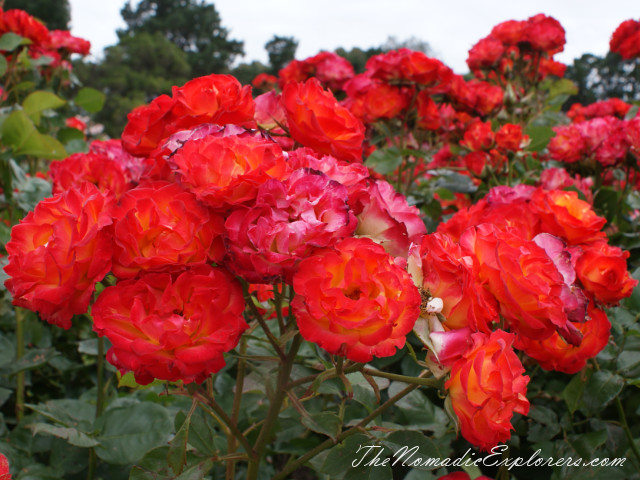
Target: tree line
{"x": 167, "y": 42}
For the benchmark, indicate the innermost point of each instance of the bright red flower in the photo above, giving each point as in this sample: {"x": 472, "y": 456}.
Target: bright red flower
{"x": 354, "y": 301}
{"x": 478, "y": 136}
{"x": 443, "y": 270}
{"x": 524, "y": 280}
{"x": 602, "y": 270}
{"x": 316, "y": 120}
{"x": 545, "y": 34}
{"x": 113, "y": 150}
{"x": 351, "y": 175}
{"x": 218, "y": 99}
{"x": 161, "y": 227}
{"x": 171, "y": 328}
{"x": 411, "y": 66}
{"x": 75, "y": 122}
{"x": 5, "y": 473}
{"x": 486, "y": 387}
{"x": 556, "y": 354}
{"x": 227, "y": 170}
{"x": 63, "y": 40}
{"x": 510, "y": 138}
{"x": 269, "y": 112}
{"x": 21, "y": 23}
{"x": 370, "y": 99}
{"x": 461, "y": 476}
{"x": 59, "y": 251}
{"x": 626, "y": 39}
{"x": 264, "y": 82}
{"x": 485, "y": 54}
{"x": 287, "y": 222}
{"x": 564, "y": 215}
{"x": 106, "y": 174}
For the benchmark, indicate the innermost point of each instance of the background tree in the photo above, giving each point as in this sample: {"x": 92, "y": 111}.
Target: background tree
{"x": 599, "y": 78}
{"x": 134, "y": 72}
{"x": 281, "y": 50}
{"x": 56, "y": 14}
{"x": 192, "y": 25}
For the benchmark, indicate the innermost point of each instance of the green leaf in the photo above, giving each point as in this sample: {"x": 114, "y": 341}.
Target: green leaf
{"x": 628, "y": 361}
{"x": 633, "y": 302}
{"x": 7, "y": 350}
{"x": 10, "y": 41}
{"x": 90, "y": 99}
{"x": 341, "y": 458}
{"x": 601, "y": 388}
{"x": 540, "y": 136}
{"x": 587, "y": 443}
{"x": 128, "y": 432}
{"x": 384, "y": 161}
{"x": 42, "y": 146}
{"x": 32, "y": 359}
{"x": 572, "y": 394}
{"x": 408, "y": 446}
{"x": 177, "y": 456}
{"x": 606, "y": 202}
{"x": 67, "y": 412}
{"x": 16, "y": 128}
{"x": 153, "y": 466}
{"x": 71, "y": 435}
{"x": 632, "y": 113}
{"x": 40, "y": 100}
{"x": 419, "y": 412}
{"x": 326, "y": 423}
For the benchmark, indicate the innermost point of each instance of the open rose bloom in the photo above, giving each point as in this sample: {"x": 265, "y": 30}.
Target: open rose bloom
{"x": 220, "y": 220}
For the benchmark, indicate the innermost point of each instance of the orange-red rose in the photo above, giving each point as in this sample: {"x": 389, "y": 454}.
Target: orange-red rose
{"x": 354, "y": 301}
{"x": 171, "y": 327}
{"x": 486, "y": 387}
{"x": 59, "y": 251}
{"x": 316, "y": 120}
{"x": 602, "y": 270}
{"x": 160, "y": 227}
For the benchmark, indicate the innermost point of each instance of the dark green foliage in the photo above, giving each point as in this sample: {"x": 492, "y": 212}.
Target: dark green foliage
{"x": 55, "y": 14}
{"x": 192, "y": 25}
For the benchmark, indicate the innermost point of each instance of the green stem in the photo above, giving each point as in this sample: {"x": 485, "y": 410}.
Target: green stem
{"x": 235, "y": 411}
{"x": 292, "y": 466}
{"x": 19, "y": 354}
{"x": 274, "y": 409}
{"x": 100, "y": 374}
{"x": 254, "y": 310}
{"x": 425, "y": 382}
{"x": 627, "y": 430}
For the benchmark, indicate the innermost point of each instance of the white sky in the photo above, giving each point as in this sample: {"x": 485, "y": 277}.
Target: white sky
{"x": 450, "y": 27}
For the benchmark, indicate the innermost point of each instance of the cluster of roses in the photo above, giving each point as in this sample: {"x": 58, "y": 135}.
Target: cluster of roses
{"x": 626, "y": 39}
{"x": 519, "y": 48}
{"x": 535, "y": 258}
{"x": 597, "y": 136}
{"x": 196, "y": 185}
{"x": 55, "y": 44}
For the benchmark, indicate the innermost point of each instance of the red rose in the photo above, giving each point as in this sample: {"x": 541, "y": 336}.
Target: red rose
{"x": 171, "y": 328}
{"x": 5, "y": 473}
{"x": 106, "y": 174}
{"x": 59, "y": 251}
{"x": 21, "y": 23}
{"x": 486, "y": 387}
{"x": 62, "y": 39}
{"x": 545, "y": 34}
{"x": 316, "y": 120}
{"x": 556, "y": 354}
{"x": 354, "y": 301}
{"x": 485, "y": 54}
{"x": 370, "y": 99}
{"x": 227, "y": 170}
{"x": 447, "y": 273}
{"x": 524, "y": 280}
{"x": 602, "y": 270}
{"x": 564, "y": 215}
{"x": 218, "y": 99}
{"x": 160, "y": 227}
{"x": 626, "y": 39}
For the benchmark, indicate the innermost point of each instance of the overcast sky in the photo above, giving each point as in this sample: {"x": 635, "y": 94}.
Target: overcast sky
{"x": 450, "y": 27}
